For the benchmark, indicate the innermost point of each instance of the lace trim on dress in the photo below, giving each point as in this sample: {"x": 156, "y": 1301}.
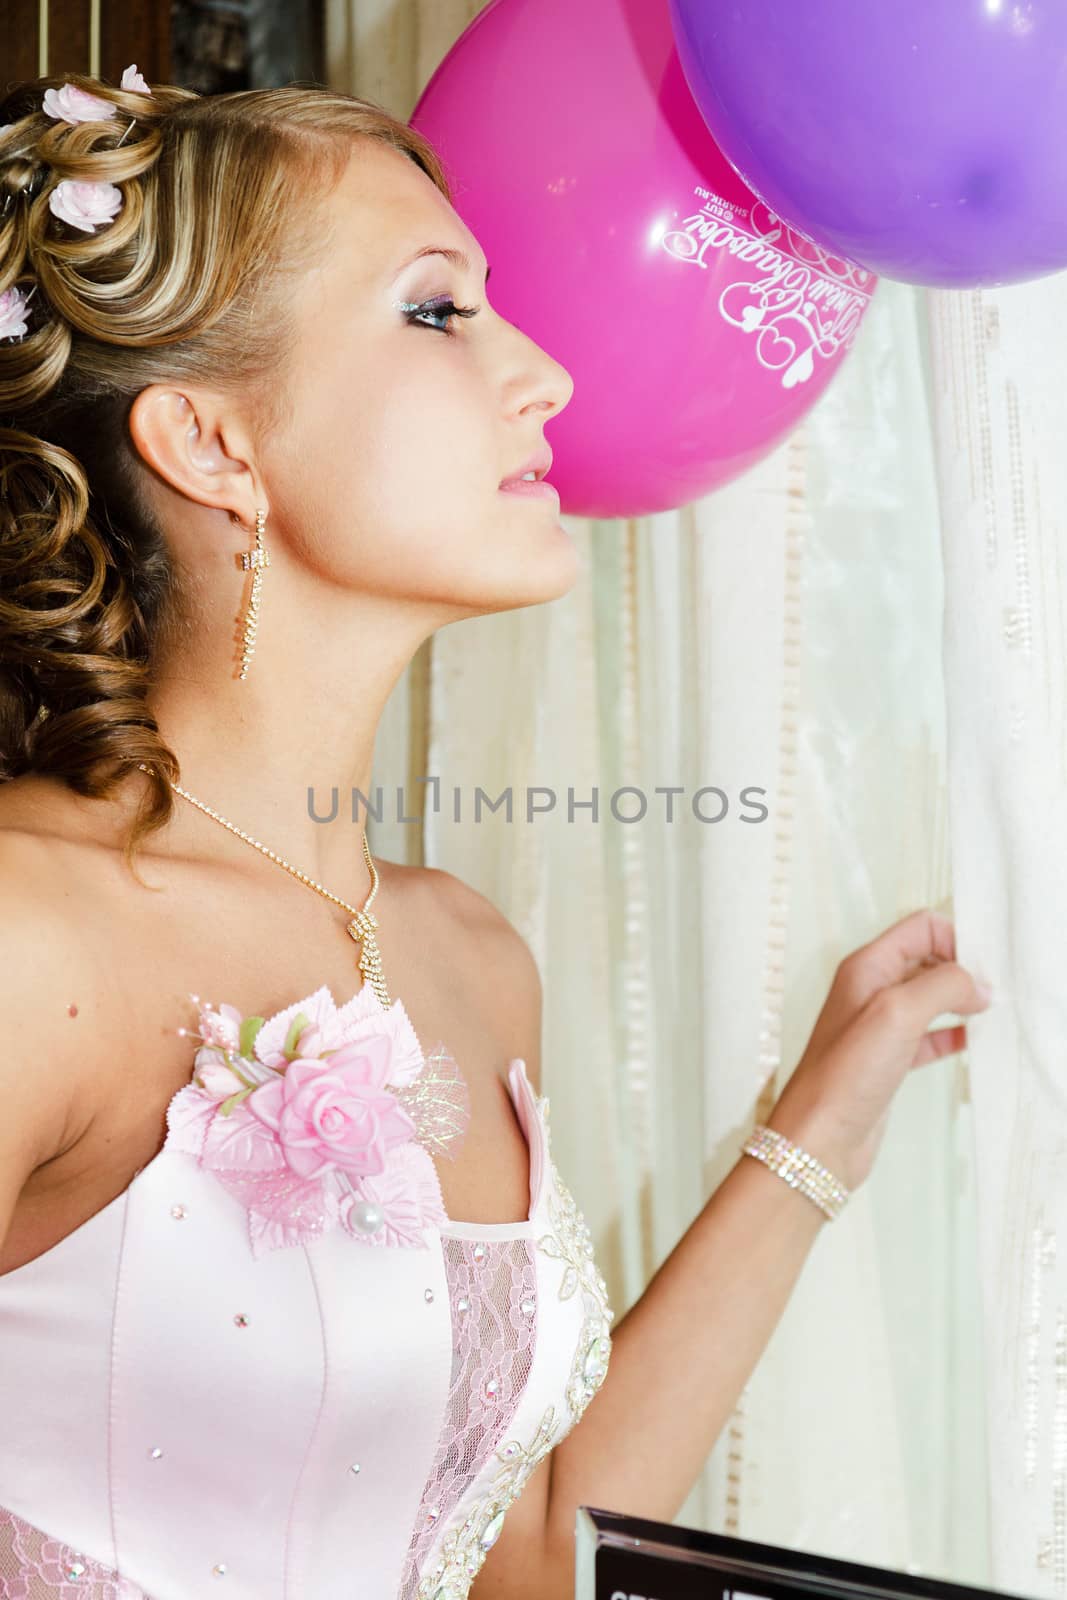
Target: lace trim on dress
{"x": 492, "y": 1287}
{"x": 34, "y": 1566}
{"x": 464, "y": 1549}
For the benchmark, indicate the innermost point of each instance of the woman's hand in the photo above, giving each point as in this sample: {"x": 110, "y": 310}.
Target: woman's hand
{"x": 870, "y": 1033}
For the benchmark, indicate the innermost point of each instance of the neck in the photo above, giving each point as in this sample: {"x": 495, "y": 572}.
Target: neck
{"x": 286, "y": 755}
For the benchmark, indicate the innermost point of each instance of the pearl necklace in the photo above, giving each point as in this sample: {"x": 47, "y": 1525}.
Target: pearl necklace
{"x": 363, "y": 923}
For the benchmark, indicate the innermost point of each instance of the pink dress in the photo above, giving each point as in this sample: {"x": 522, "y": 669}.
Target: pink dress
{"x": 181, "y": 1416}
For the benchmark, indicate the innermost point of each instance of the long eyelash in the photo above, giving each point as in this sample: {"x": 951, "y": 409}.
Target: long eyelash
{"x": 443, "y": 307}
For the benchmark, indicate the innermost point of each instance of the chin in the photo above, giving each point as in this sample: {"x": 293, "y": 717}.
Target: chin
{"x": 549, "y": 571}
{"x": 525, "y": 577}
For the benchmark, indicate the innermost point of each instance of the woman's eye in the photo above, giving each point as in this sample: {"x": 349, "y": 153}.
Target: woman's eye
{"x": 443, "y": 309}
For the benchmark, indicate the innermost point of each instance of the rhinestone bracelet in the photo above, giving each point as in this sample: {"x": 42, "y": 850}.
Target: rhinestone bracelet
{"x": 799, "y": 1169}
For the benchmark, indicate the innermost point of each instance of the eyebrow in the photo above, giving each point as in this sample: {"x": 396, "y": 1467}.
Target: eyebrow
{"x": 456, "y": 257}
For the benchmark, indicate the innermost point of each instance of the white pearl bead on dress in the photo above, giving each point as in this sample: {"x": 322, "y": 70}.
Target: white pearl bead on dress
{"x": 366, "y": 1216}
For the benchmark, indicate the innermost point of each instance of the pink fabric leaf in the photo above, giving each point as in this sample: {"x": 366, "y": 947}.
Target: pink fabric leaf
{"x": 364, "y": 1014}
{"x": 362, "y": 1017}
{"x": 320, "y": 1010}
{"x": 240, "y": 1142}
{"x": 409, "y": 1196}
{"x": 188, "y": 1116}
{"x": 283, "y": 1209}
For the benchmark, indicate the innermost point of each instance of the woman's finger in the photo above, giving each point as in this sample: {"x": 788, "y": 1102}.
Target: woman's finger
{"x": 923, "y": 938}
{"x": 907, "y": 1009}
{"x": 941, "y": 1042}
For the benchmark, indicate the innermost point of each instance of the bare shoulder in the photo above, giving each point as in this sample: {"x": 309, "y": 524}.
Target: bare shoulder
{"x": 46, "y": 943}
{"x": 505, "y": 966}
{"x": 507, "y": 953}
{"x": 42, "y": 964}
{"x": 37, "y": 907}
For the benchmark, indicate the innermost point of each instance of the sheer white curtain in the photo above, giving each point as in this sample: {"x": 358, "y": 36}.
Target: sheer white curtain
{"x": 782, "y": 634}
{"x": 1001, "y": 421}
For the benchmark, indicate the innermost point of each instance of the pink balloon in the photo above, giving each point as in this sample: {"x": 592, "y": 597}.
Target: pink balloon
{"x": 697, "y": 327}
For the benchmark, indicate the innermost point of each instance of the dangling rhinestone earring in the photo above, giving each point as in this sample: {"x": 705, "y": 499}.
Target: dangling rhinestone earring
{"x": 254, "y": 560}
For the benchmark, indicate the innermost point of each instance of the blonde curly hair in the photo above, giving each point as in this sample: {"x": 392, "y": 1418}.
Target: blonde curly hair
{"x": 214, "y": 190}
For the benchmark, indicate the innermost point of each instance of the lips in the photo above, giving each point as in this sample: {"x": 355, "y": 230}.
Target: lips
{"x": 538, "y": 463}
{"x": 524, "y": 488}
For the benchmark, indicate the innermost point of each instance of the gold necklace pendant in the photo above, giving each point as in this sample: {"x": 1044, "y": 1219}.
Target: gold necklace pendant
{"x": 361, "y": 929}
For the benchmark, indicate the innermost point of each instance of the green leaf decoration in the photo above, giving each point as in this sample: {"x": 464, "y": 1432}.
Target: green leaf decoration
{"x": 296, "y": 1028}
{"x": 247, "y": 1038}
{"x": 235, "y": 1099}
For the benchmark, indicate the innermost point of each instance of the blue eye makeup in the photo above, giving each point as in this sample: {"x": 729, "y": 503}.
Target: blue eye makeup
{"x": 442, "y": 307}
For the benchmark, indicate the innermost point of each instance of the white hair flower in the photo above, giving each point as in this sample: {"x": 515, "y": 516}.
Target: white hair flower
{"x": 13, "y": 322}
{"x": 132, "y": 79}
{"x": 85, "y": 205}
{"x": 71, "y": 104}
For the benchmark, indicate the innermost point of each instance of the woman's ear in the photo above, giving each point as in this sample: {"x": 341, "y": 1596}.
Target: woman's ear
{"x": 186, "y": 438}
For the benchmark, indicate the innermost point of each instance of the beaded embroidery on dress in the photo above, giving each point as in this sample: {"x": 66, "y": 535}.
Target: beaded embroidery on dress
{"x": 186, "y": 1411}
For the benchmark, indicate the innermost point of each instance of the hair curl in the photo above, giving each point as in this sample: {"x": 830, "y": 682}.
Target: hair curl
{"x": 214, "y": 188}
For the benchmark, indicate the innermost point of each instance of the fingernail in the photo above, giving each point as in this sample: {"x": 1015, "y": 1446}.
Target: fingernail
{"x": 985, "y": 992}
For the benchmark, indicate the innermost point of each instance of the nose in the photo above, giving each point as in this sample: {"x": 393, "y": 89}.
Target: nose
{"x": 544, "y": 382}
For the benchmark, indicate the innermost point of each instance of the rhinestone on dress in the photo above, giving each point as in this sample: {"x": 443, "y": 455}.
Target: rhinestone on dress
{"x": 433, "y": 1513}
{"x": 463, "y": 1304}
{"x": 491, "y": 1388}
{"x": 491, "y": 1532}
{"x": 219, "y": 1569}
{"x": 479, "y": 1252}
{"x": 76, "y": 1569}
{"x": 241, "y": 1320}
{"x": 354, "y": 1468}
{"x": 178, "y": 1212}
{"x": 528, "y": 1306}
{"x": 595, "y": 1364}
{"x": 155, "y": 1453}
{"x": 427, "y": 1295}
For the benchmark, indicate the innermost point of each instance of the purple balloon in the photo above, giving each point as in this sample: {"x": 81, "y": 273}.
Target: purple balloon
{"x": 925, "y": 140}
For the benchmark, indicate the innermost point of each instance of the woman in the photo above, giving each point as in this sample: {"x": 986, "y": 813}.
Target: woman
{"x": 255, "y": 1335}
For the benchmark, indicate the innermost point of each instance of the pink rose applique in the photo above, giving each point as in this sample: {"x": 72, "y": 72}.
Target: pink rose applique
{"x": 336, "y": 1113}
{"x": 13, "y": 322}
{"x": 71, "y": 104}
{"x": 322, "y": 1116}
{"x": 85, "y": 205}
